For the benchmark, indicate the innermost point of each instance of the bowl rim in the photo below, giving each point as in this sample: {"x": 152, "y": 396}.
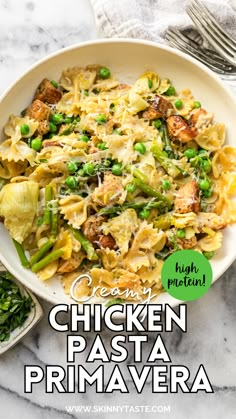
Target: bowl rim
{"x": 174, "y": 302}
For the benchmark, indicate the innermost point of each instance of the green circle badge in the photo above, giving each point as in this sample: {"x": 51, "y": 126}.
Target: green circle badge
{"x": 186, "y": 275}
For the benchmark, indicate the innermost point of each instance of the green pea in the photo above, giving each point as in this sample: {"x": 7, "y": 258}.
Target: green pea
{"x": 117, "y": 169}
{"x": 25, "y": 129}
{"x": 130, "y": 187}
{"x": 72, "y": 166}
{"x": 52, "y": 127}
{"x": 157, "y": 123}
{"x": 164, "y": 152}
{"x": 197, "y": 104}
{"x": 140, "y": 148}
{"x": 86, "y": 92}
{"x": 180, "y": 234}
{"x": 190, "y": 153}
{"x": 104, "y": 73}
{"x": 101, "y": 119}
{"x": 178, "y": 104}
{"x": 54, "y": 83}
{"x": 102, "y": 146}
{"x": 89, "y": 168}
{"x": 203, "y": 153}
{"x": 206, "y": 165}
{"x": 170, "y": 91}
{"x": 77, "y": 118}
{"x": 36, "y": 144}
{"x": 71, "y": 182}
{"x": 68, "y": 119}
{"x": 57, "y": 118}
{"x": 166, "y": 184}
{"x": 208, "y": 255}
{"x": 150, "y": 83}
{"x": 204, "y": 184}
{"x": 84, "y": 138}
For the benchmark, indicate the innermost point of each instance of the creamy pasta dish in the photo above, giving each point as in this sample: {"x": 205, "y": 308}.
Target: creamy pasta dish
{"x": 110, "y": 179}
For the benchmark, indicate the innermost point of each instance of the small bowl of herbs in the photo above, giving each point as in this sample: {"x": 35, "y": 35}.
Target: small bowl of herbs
{"x": 19, "y": 311}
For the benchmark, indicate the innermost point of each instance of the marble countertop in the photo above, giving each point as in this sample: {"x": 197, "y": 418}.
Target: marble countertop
{"x": 31, "y": 30}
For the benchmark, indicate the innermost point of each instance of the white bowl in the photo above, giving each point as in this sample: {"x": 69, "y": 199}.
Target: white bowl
{"x": 35, "y": 314}
{"x": 127, "y": 59}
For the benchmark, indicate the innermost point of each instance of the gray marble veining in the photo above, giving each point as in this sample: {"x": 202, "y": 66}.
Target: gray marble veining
{"x": 31, "y": 30}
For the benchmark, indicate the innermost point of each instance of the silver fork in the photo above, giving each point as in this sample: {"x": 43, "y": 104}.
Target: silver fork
{"x": 212, "y": 31}
{"x": 208, "y": 57}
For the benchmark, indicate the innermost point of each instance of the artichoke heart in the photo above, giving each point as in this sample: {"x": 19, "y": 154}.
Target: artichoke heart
{"x": 18, "y": 205}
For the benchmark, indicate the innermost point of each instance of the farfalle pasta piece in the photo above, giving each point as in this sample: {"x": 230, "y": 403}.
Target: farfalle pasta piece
{"x": 135, "y": 259}
{"x": 121, "y": 148}
{"x": 69, "y": 103}
{"x": 211, "y": 138}
{"x": 76, "y": 78}
{"x": 224, "y": 160}
{"x": 18, "y": 206}
{"x": 148, "y": 237}
{"x": 163, "y": 86}
{"x": 102, "y": 276}
{"x": 64, "y": 242}
{"x": 146, "y": 83}
{"x": 136, "y": 103}
{"x": 74, "y": 209}
{"x": 44, "y": 174}
{"x": 49, "y": 271}
{"x": 9, "y": 170}
{"x": 115, "y": 227}
{"x": 211, "y": 243}
{"x": 110, "y": 258}
{"x": 126, "y": 280}
{"x": 152, "y": 275}
{"x": 107, "y": 84}
{"x": 13, "y": 127}
{"x": 17, "y": 152}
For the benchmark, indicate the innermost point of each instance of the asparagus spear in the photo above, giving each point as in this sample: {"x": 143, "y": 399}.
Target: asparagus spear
{"x": 165, "y": 162}
{"x": 136, "y": 173}
{"x": 166, "y": 141}
{"x": 48, "y": 259}
{"x": 86, "y": 244}
{"x": 42, "y": 251}
{"x": 135, "y": 205}
{"x": 150, "y": 192}
{"x": 54, "y": 216}
{"x": 21, "y": 254}
{"x": 48, "y": 198}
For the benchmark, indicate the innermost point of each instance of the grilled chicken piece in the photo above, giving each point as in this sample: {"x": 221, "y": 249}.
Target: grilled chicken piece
{"x": 110, "y": 191}
{"x": 92, "y": 227}
{"x": 92, "y": 230}
{"x": 159, "y": 108}
{"x": 187, "y": 243}
{"x": 210, "y": 220}
{"x": 40, "y": 112}
{"x": 46, "y": 92}
{"x": 51, "y": 143}
{"x": 107, "y": 241}
{"x": 179, "y": 129}
{"x": 187, "y": 199}
{"x": 200, "y": 119}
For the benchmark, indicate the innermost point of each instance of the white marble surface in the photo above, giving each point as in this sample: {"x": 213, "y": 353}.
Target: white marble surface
{"x": 29, "y": 31}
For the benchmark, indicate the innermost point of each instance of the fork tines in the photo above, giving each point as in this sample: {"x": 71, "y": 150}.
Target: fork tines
{"x": 212, "y": 31}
